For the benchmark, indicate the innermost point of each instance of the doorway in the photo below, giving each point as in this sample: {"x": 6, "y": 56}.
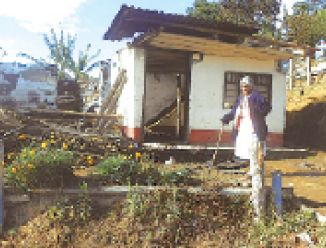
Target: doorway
{"x": 166, "y": 98}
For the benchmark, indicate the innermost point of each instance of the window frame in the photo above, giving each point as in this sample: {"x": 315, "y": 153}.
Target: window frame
{"x": 260, "y": 79}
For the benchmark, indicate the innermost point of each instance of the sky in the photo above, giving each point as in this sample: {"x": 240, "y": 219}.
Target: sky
{"x": 23, "y": 23}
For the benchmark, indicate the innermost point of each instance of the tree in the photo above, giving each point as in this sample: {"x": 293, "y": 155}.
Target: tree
{"x": 307, "y": 27}
{"x": 205, "y": 10}
{"x": 84, "y": 64}
{"x": 61, "y": 48}
{"x": 308, "y": 6}
{"x": 262, "y": 13}
{"x": 61, "y": 52}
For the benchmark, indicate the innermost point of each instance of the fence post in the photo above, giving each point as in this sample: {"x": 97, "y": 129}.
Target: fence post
{"x": 277, "y": 191}
{"x": 257, "y": 169}
{"x": 1, "y": 186}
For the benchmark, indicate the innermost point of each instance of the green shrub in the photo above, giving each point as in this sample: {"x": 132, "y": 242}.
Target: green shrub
{"x": 178, "y": 176}
{"x": 35, "y": 167}
{"x": 270, "y": 229}
{"x": 118, "y": 169}
{"x": 71, "y": 212}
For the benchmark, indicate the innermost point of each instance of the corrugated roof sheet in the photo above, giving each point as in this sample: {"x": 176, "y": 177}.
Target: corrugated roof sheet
{"x": 130, "y": 20}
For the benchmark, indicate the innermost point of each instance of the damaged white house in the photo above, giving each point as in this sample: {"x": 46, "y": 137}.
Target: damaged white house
{"x": 178, "y": 75}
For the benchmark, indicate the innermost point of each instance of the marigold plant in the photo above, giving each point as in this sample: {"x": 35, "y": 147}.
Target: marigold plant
{"x": 41, "y": 167}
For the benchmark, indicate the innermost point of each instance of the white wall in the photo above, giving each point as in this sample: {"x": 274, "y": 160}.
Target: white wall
{"x": 131, "y": 101}
{"x": 161, "y": 92}
{"x": 207, "y": 85}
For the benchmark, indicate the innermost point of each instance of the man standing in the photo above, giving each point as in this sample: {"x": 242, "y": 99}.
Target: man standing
{"x": 249, "y": 114}
{"x": 250, "y": 131}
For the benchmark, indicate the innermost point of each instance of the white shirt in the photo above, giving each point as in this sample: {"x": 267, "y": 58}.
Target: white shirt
{"x": 246, "y": 135}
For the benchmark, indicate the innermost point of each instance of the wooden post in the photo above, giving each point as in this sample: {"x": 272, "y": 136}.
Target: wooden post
{"x": 257, "y": 169}
{"x": 290, "y": 74}
{"x": 1, "y": 186}
{"x": 277, "y": 191}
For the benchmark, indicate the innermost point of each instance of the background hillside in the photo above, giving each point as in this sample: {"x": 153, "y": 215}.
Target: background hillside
{"x": 306, "y": 115}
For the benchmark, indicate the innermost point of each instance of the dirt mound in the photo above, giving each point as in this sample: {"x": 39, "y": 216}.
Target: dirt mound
{"x": 306, "y": 116}
{"x": 307, "y": 127}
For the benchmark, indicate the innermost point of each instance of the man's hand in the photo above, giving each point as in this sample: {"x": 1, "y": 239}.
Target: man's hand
{"x": 224, "y": 123}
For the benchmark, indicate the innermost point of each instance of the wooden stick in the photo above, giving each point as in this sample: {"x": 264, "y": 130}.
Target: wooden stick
{"x": 217, "y": 145}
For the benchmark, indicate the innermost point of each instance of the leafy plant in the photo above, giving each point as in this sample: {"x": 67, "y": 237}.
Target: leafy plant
{"x": 178, "y": 176}
{"x": 267, "y": 231}
{"x": 118, "y": 169}
{"x": 168, "y": 216}
{"x": 46, "y": 167}
{"x": 134, "y": 204}
{"x": 66, "y": 215}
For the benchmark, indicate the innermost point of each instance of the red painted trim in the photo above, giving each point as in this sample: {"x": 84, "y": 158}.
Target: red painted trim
{"x": 202, "y": 136}
{"x": 133, "y": 133}
{"x": 275, "y": 139}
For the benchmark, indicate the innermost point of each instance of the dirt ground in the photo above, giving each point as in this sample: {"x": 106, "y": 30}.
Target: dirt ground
{"x": 307, "y": 177}
{"x": 305, "y": 117}
{"x": 306, "y": 111}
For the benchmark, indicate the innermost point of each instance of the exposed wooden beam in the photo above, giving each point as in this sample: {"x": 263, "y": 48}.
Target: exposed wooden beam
{"x": 54, "y": 114}
{"x": 208, "y": 46}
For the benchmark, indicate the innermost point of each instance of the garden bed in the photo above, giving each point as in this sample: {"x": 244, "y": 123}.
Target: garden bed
{"x": 163, "y": 218}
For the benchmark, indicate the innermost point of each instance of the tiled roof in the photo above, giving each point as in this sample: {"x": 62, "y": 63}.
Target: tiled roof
{"x": 130, "y": 20}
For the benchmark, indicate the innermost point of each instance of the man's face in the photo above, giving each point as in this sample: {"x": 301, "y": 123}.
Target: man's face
{"x": 246, "y": 89}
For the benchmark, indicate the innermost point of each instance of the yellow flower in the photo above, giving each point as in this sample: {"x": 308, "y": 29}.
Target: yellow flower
{"x": 10, "y": 155}
{"x": 89, "y": 157}
{"x": 125, "y": 157}
{"x": 30, "y": 166}
{"x": 44, "y": 145}
{"x": 137, "y": 155}
{"x": 64, "y": 146}
{"x": 13, "y": 170}
{"x": 131, "y": 146}
{"x": 90, "y": 161}
{"x": 32, "y": 152}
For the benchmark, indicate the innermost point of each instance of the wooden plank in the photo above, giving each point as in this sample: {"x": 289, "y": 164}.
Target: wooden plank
{"x": 53, "y": 114}
{"x": 183, "y": 42}
{"x": 212, "y": 51}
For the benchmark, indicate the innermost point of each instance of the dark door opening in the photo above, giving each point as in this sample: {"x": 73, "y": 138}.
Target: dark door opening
{"x": 166, "y": 98}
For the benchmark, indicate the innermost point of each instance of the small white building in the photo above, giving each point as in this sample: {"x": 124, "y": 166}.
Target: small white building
{"x": 183, "y": 75}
